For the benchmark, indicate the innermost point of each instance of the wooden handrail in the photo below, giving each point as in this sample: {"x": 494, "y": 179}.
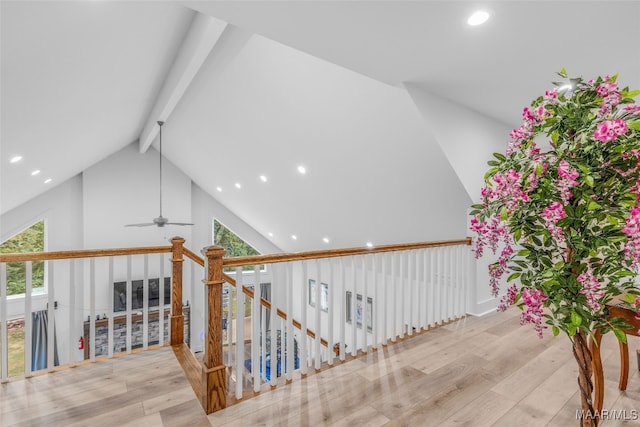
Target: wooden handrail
{"x": 332, "y": 253}
{"x": 194, "y": 257}
{"x": 88, "y": 253}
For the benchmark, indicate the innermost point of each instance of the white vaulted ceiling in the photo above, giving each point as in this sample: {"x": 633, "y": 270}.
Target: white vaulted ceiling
{"x": 318, "y": 83}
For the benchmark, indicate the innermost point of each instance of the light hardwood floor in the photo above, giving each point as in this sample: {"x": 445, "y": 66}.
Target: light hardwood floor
{"x": 485, "y": 371}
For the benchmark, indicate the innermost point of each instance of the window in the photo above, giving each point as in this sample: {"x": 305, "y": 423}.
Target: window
{"x": 29, "y": 240}
{"x": 231, "y": 243}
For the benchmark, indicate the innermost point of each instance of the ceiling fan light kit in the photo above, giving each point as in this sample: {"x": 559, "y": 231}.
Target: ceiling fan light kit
{"x": 160, "y": 221}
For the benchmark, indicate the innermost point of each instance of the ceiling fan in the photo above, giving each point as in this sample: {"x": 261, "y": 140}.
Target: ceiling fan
{"x": 160, "y": 221}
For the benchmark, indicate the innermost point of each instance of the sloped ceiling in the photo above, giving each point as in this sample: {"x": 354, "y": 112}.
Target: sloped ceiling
{"x": 315, "y": 83}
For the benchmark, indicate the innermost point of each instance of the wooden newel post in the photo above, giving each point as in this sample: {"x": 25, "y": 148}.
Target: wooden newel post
{"x": 177, "y": 318}
{"x": 214, "y": 379}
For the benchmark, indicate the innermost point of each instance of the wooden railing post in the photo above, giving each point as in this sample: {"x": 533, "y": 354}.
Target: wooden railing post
{"x": 177, "y": 318}
{"x": 214, "y": 381}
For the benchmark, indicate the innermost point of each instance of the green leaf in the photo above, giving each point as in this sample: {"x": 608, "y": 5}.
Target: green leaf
{"x": 622, "y": 337}
{"x": 593, "y": 205}
{"x": 631, "y": 93}
{"x": 555, "y": 330}
{"x": 588, "y": 179}
{"x": 539, "y": 169}
{"x": 500, "y": 156}
{"x": 513, "y": 276}
{"x": 635, "y": 125}
{"x": 576, "y": 319}
{"x": 504, "y": 214}
{"x": 631, "y": 299}
{"x": 563, "y": 72}
{"x": 571, "y": 329}
{"x": 490, "y": 173}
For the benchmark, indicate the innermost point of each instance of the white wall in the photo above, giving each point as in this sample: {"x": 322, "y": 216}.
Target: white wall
{"x": 124, "y": 189}
{"x": 468, "y": 139}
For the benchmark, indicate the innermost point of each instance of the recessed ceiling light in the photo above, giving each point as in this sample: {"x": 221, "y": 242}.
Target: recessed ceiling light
{"x": 15, "y": 159}
{"x": 238, "y": 186}
{"x": 325, "y": 239}
{"x": 48, "y": 180}
{"x": 369, "y": 244}
{"x": 263, "y": 178}
{"x": 219, "y": 189}
{"x": 294, "y": 237}
{"x": 302, "y": 170}
{"x": 478, "y": 17}
{"x": 35, "y": 172}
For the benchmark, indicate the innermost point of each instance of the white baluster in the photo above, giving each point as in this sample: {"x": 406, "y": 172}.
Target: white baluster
{"x": 365, "y": 325}
{"x": 161, "y": 303}
{"x": 256, "y": 336}
{"x": 110, "y": 310}
{"x": 145, "y": 303}
{"x": 239, "y": 368}
{"x": 289, "y": 331}
{"x": 384, "y": 302}
{"x": 275, "y": 360}
{"x": 331, "y": 310}
{"x": 27, "y": 318}
{"x": 318, "y": 310}
{"x": 129, "y": 305}
{"x": 51, "y": 316}
{"x": 92, "y": 309}
{"x": 354, "y": 315}
{"x": 4, "y": 367}
{"x": 343, "y": 311}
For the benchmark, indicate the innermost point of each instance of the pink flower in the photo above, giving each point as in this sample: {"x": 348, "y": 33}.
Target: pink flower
{"x": 533, "y": 313}
{"x": 610, "y": 95}
{"x": 632, "y": 230}
{"x": 552, "y": 214}
{"x": 508, "y": 299}
{"x": 610, "y": 130}
{"x": 632, "y": 108}
{"x": 567, "y": 180}
{"x": 507, "y": 190}
{"x": 592, "y": 289}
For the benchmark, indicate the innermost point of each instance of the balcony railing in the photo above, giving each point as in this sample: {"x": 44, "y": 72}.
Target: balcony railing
{"x": 269, "y": 319}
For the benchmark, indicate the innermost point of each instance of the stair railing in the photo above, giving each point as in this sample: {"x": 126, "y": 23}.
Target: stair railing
{"x": 347, "y": 301}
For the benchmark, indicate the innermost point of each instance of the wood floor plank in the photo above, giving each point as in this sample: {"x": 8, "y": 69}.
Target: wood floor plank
{"x": 477, "y": 372}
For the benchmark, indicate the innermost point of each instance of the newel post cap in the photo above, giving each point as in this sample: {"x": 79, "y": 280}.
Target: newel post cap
{"x": 213, "y": 251}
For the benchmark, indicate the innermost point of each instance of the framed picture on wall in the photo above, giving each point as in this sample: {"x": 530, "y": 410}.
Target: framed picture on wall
{"x": 324, "y": 295}
{"x": 312, "y": 292}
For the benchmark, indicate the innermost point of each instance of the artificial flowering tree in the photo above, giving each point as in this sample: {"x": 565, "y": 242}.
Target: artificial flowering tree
{"x": 561, "y": 209}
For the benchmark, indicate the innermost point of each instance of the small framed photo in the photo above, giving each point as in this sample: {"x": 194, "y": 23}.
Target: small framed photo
{"x": 359, "y": 310}
{"x": 324, "y": 295}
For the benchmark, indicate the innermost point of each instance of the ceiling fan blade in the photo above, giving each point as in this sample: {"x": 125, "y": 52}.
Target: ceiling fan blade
{"x": 179, "y": 223}
{"x": 143, "y": 224}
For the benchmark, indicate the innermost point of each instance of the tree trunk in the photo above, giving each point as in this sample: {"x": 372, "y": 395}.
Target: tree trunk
{"x": 582, "y": 354}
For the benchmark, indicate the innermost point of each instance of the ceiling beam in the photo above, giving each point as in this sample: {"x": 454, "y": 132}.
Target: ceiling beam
{"x": 204, "y": 33}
